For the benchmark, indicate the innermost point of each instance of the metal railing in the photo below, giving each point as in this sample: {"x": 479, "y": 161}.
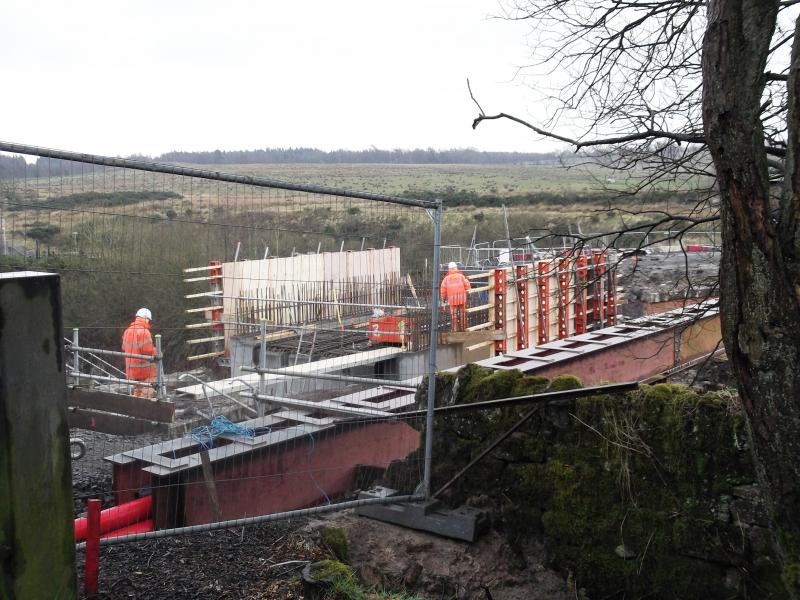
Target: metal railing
{"x": 78, "y": 354}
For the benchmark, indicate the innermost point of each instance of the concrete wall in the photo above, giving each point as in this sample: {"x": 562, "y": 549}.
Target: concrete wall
{"x": 295, "y": 277}
{"x": 414, "y": 364}
{"x": 654, "y": 308}
{"x": 639, "y": 358}
{"x": 293, "y": 475}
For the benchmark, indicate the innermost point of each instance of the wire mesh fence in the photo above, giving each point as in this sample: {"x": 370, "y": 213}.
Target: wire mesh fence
{"x": 294, "y": 326}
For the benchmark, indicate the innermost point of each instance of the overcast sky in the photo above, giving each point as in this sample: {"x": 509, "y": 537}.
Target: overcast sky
{"x": 151, "y": 76}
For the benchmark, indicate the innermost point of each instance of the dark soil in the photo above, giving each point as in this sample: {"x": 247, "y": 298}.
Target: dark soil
{"x": 241, "y": 563}
{"x": 711, "y": 375}
{"x": 92, "y": 486}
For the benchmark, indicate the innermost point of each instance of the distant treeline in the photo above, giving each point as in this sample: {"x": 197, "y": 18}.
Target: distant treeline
{"x": 12, "y": 166}
{"x": 15, "y": 166}
{"x": 314, "y": 156}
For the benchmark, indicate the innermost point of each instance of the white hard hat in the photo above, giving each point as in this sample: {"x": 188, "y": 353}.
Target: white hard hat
{"x": 144, "y": 313}
{"x": 452, "y": 265}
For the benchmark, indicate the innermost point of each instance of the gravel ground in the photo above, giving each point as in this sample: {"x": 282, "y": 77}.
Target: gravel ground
{"x": 658, "y": 277}
{"x": 712, "y": 375}
{"x": 91, "y": 475}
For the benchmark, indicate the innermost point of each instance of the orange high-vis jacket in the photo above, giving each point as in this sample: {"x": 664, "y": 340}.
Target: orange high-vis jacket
{"x": 137, "y": 340}
{"x": 454, "y": 288}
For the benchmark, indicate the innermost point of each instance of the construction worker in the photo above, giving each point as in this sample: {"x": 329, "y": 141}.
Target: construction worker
{"x": 454, "y": 291}
{"x": 137, "y": 340}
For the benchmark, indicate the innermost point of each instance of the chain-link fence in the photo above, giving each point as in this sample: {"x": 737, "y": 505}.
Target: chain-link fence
{"x": 290, "y": 329}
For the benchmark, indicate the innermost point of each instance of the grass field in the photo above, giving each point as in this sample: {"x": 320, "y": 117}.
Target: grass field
{"x": 501, "y": 180}
{"x": 60, "y": 210}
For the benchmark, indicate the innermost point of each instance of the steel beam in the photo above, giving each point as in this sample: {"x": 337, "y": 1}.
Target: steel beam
{"x": 144, "y": 165}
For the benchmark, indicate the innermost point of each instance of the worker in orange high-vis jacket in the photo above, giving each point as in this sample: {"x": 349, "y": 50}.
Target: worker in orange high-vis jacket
{"x": 454, "y": 290}
{"x": 137, "y": 340}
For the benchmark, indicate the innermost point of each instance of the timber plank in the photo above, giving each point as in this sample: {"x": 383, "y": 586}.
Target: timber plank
{"x": 143, "y": 408}
{"x": 110, "y": 423}
{"x": 470, "y": 337}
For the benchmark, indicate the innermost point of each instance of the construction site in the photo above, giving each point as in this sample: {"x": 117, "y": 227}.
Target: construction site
{"x": 296, "y": 330}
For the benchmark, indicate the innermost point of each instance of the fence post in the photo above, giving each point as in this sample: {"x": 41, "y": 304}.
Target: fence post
{"x": 37, "y": 539}
{"x": 91, "y": 567}
{"x": 262, "y": 363}
{"x": 161, "y": 387}
{"x": 437, "y": 242}
{"x": 76, "y": 360}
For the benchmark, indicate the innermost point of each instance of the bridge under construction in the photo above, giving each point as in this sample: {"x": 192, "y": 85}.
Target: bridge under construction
{"x": 289, "y": 382}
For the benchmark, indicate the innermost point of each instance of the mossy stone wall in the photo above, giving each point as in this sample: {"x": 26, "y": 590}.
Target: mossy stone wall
{"x": 650, "y": 494}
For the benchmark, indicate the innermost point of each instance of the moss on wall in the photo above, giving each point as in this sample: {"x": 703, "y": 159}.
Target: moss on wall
{"x": 650, "y": 494}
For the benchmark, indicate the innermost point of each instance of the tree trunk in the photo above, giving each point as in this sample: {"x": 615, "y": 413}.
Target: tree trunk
{"x": 758, "y": 281}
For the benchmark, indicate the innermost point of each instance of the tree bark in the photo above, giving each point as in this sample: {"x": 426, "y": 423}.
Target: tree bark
{"x": 759, "y": 264}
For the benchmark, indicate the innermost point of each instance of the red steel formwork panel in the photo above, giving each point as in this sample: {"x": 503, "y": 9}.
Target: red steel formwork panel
{"x": 598, "y": 270}
{"x": 543, "y": 283}
{"x": 500, "y": 308}
{"x": 611, "y": 297}
{"x": 216, "y": 286}
{"x": 581, "y": 274}
{"x": 522, "y": 314}
{"x": 563, "y": 298}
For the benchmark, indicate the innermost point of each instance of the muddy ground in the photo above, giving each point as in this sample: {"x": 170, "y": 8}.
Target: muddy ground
{"x": 264, "y": 562}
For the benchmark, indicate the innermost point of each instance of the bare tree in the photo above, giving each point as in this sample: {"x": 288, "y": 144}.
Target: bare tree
{"x": 676, "y": 89}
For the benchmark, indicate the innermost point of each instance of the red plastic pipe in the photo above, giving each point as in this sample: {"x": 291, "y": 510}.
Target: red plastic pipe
{"x": 92, "y": 564}
{"x": 117, "y": 517}
{"x": 140, "y": 527}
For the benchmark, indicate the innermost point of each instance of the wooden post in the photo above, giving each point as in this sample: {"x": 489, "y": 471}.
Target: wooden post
{"x": 211, "y": 486}
{"x": 37, "y": 543}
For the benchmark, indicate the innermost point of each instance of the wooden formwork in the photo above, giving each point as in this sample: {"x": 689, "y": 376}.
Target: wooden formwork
{"x": 291, "y": 291}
